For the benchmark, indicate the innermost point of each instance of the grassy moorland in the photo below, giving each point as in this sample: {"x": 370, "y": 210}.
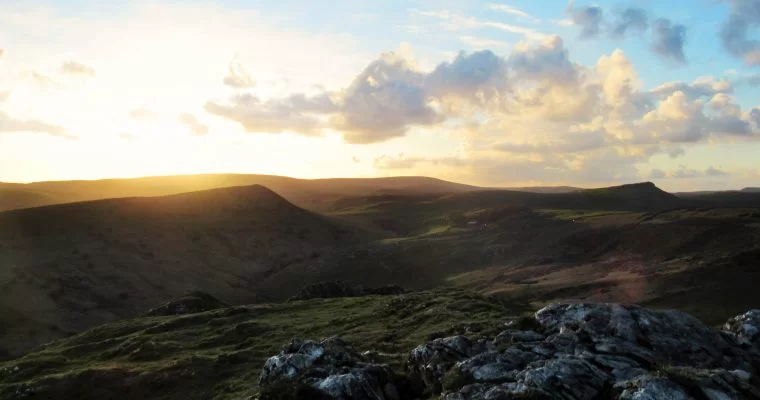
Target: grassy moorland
{"x": 218, "y": 354}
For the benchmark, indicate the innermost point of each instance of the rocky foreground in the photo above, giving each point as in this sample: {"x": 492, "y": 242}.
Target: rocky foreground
{"x": 566, "y": 351}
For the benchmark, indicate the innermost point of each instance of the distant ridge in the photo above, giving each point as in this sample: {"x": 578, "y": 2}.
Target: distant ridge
{"x": 309, "y": 193}
{"x": 751, "y": 190}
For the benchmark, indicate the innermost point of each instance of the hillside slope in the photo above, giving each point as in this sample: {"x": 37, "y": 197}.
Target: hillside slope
{"x": 64, "y": 268}
{"x": 304, "y": 192}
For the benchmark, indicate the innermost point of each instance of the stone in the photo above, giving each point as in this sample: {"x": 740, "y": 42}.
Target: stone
{"x": 593, "y": 351}
{"x": 745, "y": 327}
{"x": 334, "y": 369}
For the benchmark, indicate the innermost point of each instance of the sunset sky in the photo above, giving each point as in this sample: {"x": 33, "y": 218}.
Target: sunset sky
{"x": 509, "y": 93}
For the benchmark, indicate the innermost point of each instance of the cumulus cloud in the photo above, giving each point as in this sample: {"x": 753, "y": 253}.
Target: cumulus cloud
{"x": 76, "y": 68}
{"x": 735, "y": 31}
{"x": 196, "y": 128}
{"x": 630, "y": 19}
{"x": 10, "y": 124}
{"x": 549, "y": 62}
{"x": 532, "y": 115}
{"x": 481, "y": 73}
{"x": 589, "y": 19}
{"x": 668, "y": 40}
{"x": 237, "y": 77}
{"x": 383, "y": 101}
{"x": 701, "y": 87}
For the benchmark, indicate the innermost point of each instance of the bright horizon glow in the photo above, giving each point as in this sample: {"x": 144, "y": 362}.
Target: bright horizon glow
{"x": 151, "y": 88}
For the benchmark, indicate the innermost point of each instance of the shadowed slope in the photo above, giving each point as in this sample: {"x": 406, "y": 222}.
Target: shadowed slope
{"x": 88, "y": 263}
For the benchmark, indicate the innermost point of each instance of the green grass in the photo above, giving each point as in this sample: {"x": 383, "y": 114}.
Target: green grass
{"x": 218, "y": 354}
{"x": 569, "y": 215}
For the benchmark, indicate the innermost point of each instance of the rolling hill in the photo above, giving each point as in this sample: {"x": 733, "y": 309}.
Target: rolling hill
{"x": 71, "y": 266}
{"x": 306, "y": 193}
{"x": 92, "y": 262}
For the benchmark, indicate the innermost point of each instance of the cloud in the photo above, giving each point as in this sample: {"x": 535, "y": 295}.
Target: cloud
{"x": 10, "y": 124}
{"x": 715, "y": 172}
{"x": 735, "y": 31}
{"x": 455, "y": 22}
{"x": 356, "y": 159}
{"x": 2, "y": 53}
{"x": 76, "y": 68}
{"x": 468, "y": 75}
{"x": 40, "y": 79}
{"x": 633, "y": 18}
{"x": 706, "y": 86}
{"x": 657, "y": 174}
{"x": 589, "y": 19}
{"x": 689, "y": 173}
{"x": 668, "y": 40}
{"x": 293, "y": 114}
{"x": 383, "y": 101}
{"x": 549, "y": 61}
{"x": 196, "y": 128}
{"x": 143, "y": 113}
{"x": 237, "y": 77}
{"x": 4, "y": 95}
{"x": 511, "y": 10}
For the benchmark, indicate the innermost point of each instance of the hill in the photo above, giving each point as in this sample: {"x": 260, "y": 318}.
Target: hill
{"x": 93, "y": 262}
{"x": 99, "y": 261}
{"x": 751, "y": 190}
{"x": 304, "y": 192}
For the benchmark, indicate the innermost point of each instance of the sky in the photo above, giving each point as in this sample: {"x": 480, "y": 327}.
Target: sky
{"x": 502, "y": 93}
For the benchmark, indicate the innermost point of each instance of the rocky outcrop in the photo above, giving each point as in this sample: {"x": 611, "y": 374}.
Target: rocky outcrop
{"x": 329, "y": 369}
{"x": 599, "y": 351}
{"x": 745, "y": 328}
{"x": 328, "y": 290}
{"x": 191, "y": 303}
{"x": 571, "y": 351}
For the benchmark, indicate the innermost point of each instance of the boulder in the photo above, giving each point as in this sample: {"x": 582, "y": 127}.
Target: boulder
{"x": 330, "y": 369}
{"x": 599, "y": 351}
{"x": 745, "y": 327}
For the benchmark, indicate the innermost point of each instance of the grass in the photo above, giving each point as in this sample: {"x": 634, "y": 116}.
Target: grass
{"x": 218, "y": 354}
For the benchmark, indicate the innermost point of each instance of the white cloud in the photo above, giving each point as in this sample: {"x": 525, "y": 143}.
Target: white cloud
{"x": 10, "y": 124}
{"x": 237, "y": 77}
{"x": 196, "y": 128}
{"x": 505, "y": 8}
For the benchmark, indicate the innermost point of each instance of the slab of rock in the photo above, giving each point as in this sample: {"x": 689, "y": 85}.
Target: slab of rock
{"x": 600, "y": 351}
{"x": 332, "y": 370}
{"x": 745, "y": 327}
